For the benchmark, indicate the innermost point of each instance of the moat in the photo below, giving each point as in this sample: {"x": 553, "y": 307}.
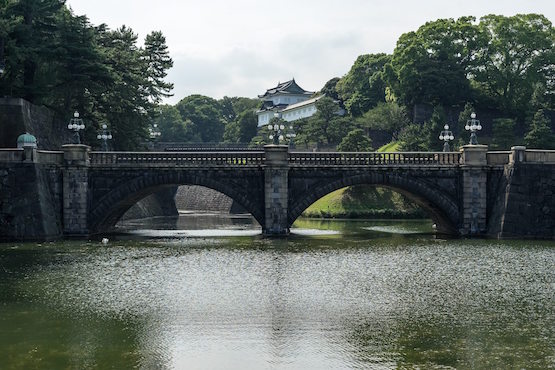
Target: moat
{"x": 208, "y": 291}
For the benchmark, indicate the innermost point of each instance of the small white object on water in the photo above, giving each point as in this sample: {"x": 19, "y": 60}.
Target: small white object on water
{"x": 105, "y": 240}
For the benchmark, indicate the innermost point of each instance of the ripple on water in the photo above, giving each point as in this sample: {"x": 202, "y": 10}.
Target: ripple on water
{"x": 212, "y": 303}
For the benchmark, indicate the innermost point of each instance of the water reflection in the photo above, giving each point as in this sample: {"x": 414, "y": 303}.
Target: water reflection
{"x": 360, "y": 298}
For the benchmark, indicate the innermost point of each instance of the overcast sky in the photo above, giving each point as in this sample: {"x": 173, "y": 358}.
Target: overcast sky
{"x": 243, "y": 47}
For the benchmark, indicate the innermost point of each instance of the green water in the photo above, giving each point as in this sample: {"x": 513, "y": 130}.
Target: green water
{"x": 208, "y": 292}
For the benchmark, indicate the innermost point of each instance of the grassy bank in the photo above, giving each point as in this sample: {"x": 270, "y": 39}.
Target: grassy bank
{"x": 364, "y": 201}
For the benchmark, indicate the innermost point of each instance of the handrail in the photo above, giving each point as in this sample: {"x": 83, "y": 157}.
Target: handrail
{"x": 539, "y": 156}
{"x": 12, "y": 155}
{"x": 498, "y": 157}
{"x": 373, "y": 158}
{"x": 227, "y": 158}
{"x": 258, "y": 158}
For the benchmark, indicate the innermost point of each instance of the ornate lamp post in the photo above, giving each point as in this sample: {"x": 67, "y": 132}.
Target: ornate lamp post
{"x": 76, "y": 124}
{"x": 104, "y": 135}
{"x": 291, "y": 135}
{"x": 473, "y": 125}
{"x": 154, "y": 132}
{"x": 276, "y": 134}
{"x": 446, "y": 135}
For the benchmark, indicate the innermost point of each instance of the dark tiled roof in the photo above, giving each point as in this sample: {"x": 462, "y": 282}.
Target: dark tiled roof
{"x": 289, "y": 87}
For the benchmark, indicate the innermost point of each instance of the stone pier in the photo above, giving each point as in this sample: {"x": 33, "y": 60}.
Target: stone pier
{"x": 76, "y": 189}
{"x": 474, "y": 189}
{"x": 276, "y": 190}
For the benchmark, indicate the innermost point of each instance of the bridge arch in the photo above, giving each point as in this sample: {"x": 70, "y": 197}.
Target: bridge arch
{"x": 443, "y": 208}
{"x": 112, "y": 205}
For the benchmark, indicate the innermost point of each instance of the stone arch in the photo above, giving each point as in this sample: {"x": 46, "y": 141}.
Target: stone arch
{"x": 113, "y": 205}
{"x": 442, "y": 208}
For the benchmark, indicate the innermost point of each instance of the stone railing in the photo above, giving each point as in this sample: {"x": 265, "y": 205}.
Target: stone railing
{"x": 12, "y": 155}
{"x": 182, "y": 159}
{"x": 373, "y": 158}
{"x": 540, "y": 156}
{"x": 50, "y": 157}
{"x": 498, "y": 158}
{"x": 32, "y": 155}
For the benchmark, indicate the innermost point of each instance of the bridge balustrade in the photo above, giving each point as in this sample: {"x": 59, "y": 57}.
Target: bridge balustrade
{"x": 373, "y": 158}
{"x": 182, "y": 159}
{"x": 498, "y": 158}
{"x": 539, "y": 156}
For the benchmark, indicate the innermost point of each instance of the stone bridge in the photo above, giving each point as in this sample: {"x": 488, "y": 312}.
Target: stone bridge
{"x": 75, "y": 192}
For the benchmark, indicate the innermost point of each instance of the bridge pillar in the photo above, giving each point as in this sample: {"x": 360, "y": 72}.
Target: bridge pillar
{"x": 474, "y": 190}
{"x": 276, "y": 189}
{"x": 76, "y": 184}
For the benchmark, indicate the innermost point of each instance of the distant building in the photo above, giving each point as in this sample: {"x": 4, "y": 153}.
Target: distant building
{"x": 289, "y": 101}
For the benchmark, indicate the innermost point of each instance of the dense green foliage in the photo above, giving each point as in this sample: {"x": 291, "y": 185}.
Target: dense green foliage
{"x": 363, "y": 86}
{"x": 503, "y": 65}
{"x": 55, "y": 58}
{"x": 355, "y": 141}
{"x": 540, "y": 135}
{"x": 504, "y": 134}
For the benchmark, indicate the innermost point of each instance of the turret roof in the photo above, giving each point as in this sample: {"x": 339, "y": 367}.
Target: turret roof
{"x": 289, "y": 87}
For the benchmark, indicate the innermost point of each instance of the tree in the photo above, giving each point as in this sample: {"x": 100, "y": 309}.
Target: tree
{"x": 326, "y": 126}
{"x": 412, "y": 139}
{"x": 355, "y": 141}
{"x": 432, "y": 129}
{"x": 171, "y": 125}
{"x": 205, "y": 115}
{"x": 79, "y": 71}
{"x": 36, "y": 39}
{"x": 8, "y": 22}
{"x": 330, "y": 89}
{"x": 158, "y": 62}
{"x": 540, "y": 135}
{"x": 429, "y": 65}
{"x": 517, "y": 53}
{"x": 503, "y": 130}
{"x": 363, "y": 86}
{"x": 126, "y": 104}
{"x": 389, "y": 117}
{"x": 243, "y": 129}
{"x": 232, "y": 107}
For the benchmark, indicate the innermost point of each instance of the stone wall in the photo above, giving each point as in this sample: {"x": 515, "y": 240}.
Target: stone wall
{"x": 199, "y": 198}
{"x": 524, "y": 203}
{"x": 30, "y": 202}
{"x": 158, "y": 204}
{"x": 18, "y": 116}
